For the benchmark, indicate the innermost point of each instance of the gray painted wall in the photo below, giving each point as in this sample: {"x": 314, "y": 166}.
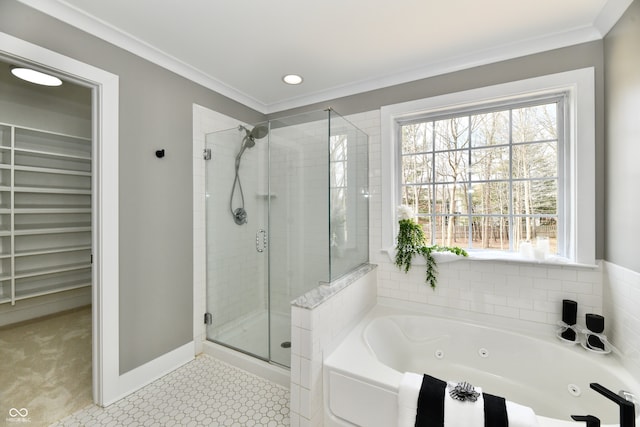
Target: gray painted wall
{"x": 554, "y": 61}
{"x": 622, "y": 106}
{"x": 156, "y": 260}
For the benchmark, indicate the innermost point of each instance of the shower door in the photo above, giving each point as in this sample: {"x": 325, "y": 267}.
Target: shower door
{"x": 237, "y": 216}
{"x": 255, "y": 269}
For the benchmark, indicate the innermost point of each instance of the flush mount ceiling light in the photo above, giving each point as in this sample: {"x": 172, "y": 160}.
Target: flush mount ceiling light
{"x": 36, "y": 77}
{"x": 292, "y": 79}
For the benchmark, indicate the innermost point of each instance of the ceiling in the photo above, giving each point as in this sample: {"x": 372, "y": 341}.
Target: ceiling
{"x": 242, "y": 48}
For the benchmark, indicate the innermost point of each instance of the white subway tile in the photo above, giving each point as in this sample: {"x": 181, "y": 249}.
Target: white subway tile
{"x": 562, "y": 273}
{"x": 508, "y": 289}
{"x": 483, "y": 267}
{"x": 481, "y": 307}
{"x": 534, "y": 294}
{"x": 591, "y": 276}
{"x": 493, "y": 299}
{"x": 295, "y": 340}
{"x": 554, "y": 307}
{"x": 305, "y": 403}
{"x": 295, "y": 369}
{"x": 533, "y": 316}
{"x": 308, "y": 341}
{"x": 507, "y": 269}
{"x": 506, "y": 311}
{"x": 548, "y": 284}
{"x": 522, "y": 303}
{"x": 522, "y": 282}
{"x": 577, "y": 287}
{"x": 305, "y": 373}
{"x": 294, "y": 402}
{"x": 533, "y": 271}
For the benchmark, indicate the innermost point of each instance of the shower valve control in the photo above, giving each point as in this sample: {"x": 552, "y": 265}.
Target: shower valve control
{"x": 207, "y": 154}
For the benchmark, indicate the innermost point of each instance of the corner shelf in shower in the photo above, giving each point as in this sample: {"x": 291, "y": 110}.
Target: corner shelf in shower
{"x": 45, "y": 212}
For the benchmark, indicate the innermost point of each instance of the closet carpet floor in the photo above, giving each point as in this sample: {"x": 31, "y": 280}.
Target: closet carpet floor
{"x": 45, "y": 368}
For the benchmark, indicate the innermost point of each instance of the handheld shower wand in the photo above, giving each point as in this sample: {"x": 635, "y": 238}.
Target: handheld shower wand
{"x": 248, "y": 141}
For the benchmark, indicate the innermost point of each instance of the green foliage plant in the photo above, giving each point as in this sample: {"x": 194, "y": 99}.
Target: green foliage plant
{"x": 411, "y": 242}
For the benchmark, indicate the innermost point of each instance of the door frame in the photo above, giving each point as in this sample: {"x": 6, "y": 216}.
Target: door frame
{"x": 107, "y": 385}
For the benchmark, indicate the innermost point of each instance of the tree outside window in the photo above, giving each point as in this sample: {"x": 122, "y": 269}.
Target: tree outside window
{"x": 488, "y": 178}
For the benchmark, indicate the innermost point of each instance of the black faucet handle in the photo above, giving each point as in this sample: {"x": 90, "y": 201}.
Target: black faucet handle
{"x": 620, "y": 400}
{"x": 627, "y": 409}
{"x": 590, "y": 419}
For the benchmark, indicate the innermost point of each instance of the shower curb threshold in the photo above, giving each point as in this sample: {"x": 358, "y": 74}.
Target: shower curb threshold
{"x": 261, "y": 368}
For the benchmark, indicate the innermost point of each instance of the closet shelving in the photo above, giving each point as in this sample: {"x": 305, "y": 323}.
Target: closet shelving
{"x": 45, "y": 212}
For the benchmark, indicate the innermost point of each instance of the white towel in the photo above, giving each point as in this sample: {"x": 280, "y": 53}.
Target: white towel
{"x": 463, "y": 414}
{"x": 408, "y": 399}
{"x": 456, "y": 413}
{"x": 520, "y": 416}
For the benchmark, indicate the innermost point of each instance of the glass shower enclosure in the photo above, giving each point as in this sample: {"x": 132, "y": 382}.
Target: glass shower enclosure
{"x": 286, "y": 210}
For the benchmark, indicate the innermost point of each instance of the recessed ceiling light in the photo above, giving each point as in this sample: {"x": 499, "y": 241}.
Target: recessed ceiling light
{"x": 36, "y": 77}
{"x": 292, "y": 79}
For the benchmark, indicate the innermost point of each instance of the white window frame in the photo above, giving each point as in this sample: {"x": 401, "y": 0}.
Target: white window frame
{"x": 578, "y": 216}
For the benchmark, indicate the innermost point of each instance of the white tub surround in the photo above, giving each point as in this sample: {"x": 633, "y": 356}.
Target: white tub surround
{"x": 328, "y": 313}
{"x": 363, "y": 374}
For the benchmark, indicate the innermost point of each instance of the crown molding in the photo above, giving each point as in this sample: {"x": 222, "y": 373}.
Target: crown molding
{"x": 107, "y": 32}
{"x": 449, "y": 65}
{"x": 608, "y": 16}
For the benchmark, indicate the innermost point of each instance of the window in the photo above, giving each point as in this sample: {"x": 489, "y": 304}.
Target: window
{"x": 338, "y": 173}
{"x": 486, "y": 178}
{"x": 489, "y": 168}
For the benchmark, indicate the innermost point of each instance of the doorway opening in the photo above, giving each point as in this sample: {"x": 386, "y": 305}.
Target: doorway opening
{"x": 107, "y": 385}
{"x": 46, "y": 153}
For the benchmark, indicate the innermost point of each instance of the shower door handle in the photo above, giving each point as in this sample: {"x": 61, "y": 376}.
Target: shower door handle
{"x": 261, "y": 240}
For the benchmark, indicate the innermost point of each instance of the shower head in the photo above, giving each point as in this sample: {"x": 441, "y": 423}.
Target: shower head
{"x": 249, "y": 140}
{"x": 258, "y": 132}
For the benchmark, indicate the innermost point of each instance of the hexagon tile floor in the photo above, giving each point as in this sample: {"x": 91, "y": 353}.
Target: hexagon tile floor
{"x": 204, "y": 392}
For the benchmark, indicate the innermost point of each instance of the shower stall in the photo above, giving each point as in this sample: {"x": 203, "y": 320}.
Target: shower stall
{"x": 286, "y": 211}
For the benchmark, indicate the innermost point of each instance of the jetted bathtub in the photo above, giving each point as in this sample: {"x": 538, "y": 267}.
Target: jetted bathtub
{"x": 363, "y": 373}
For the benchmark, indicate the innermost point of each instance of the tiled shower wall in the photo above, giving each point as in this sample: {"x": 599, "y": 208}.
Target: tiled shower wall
{"x": 621, "y": 302}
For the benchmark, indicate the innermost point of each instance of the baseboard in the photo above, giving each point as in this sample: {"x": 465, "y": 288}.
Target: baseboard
{"x": 33, "y": 308}
{"x": 151, "y": 371}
